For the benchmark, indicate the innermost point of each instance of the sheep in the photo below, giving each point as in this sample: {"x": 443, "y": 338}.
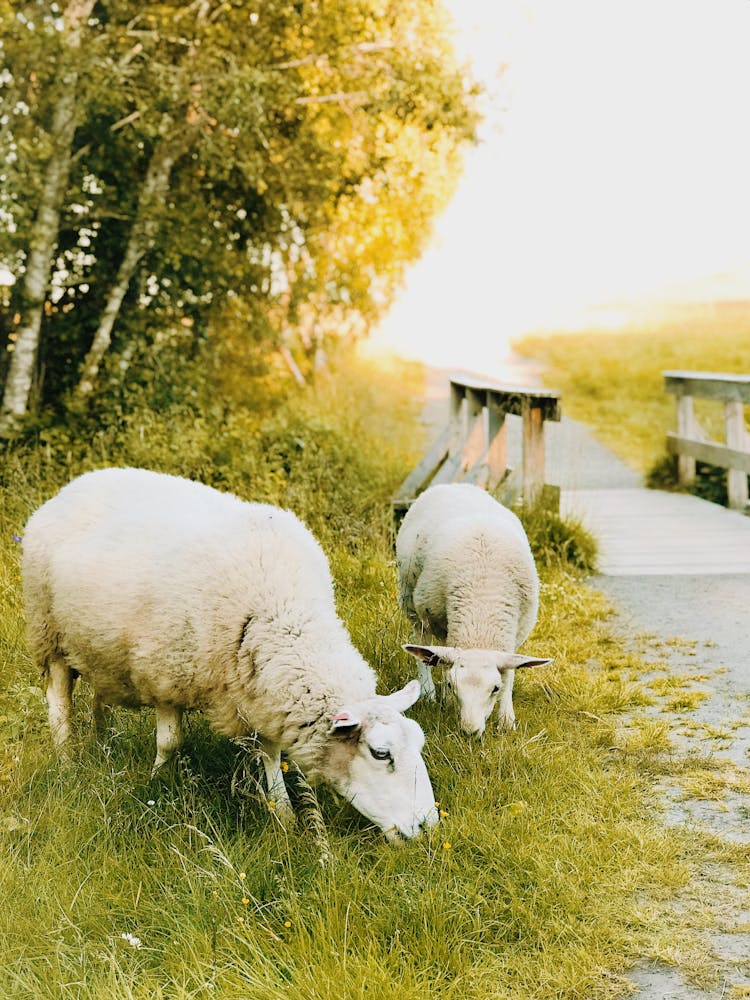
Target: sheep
{"x": 466, "y": 575}
{"x": 161, "y": 591}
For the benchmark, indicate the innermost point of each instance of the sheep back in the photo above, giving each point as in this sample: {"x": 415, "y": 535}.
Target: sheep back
{"x": 466, "y": 570}
{"x": 160, "y": 590}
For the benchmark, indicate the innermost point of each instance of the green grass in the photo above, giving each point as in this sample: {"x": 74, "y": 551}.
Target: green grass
{"x": 548, "y": 876}
{"x": 613, "y": 381}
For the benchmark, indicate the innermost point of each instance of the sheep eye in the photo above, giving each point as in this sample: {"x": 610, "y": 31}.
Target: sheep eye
{"x": 380, "y": 754}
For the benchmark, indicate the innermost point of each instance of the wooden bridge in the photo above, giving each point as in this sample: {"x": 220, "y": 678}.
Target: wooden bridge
{"x": 639, "y": 531}
{"x": 473, "y": 447}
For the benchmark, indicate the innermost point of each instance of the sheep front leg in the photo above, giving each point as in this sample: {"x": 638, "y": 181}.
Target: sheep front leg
{"x": 506, "y": 714}
{"x": 426, "y": 682}
{"x": 168, "y": 734}
{"x": 60, "y": 680}
{"x": 277, "y": 795}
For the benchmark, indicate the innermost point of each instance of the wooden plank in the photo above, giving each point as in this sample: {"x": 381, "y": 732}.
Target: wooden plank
{"x": 685, "y": 429}
{"x": 475, "y": 445}
{"x": 422, "y": 472}
{"x": 497, "y": 451}
{"x": 734, "y": 422}
{"x": 479, "y": 473}
{"x": 458, "y": 424}
{"x": 448, "y": 471}
{"x": 708, "y": 385}
{"x": 511, "y": 399}
{"x": 533, "y": 452}
{"x": 650, "y": 532}
{"x": 509, "y": 489}
{"x": 710, "y": 452}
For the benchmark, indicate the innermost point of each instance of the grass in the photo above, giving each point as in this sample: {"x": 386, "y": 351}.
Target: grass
{"x": 612, "y": 381}
{"x": 549, "y": 875}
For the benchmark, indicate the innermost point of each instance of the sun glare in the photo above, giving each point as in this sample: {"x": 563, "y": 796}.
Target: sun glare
{"x": 612, "y": 172}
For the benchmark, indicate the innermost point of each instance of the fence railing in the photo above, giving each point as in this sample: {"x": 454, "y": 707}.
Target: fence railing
{"x": 691, "y": 443}
{"x": 473, "y": 447}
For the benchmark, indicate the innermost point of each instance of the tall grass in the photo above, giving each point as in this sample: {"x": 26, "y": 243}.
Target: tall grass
{"x": 545, "y": 878}
{"x": 613, "y": 382}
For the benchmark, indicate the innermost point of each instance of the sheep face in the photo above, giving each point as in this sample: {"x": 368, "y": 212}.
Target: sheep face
{"x": 375, "y": 761}
{"x": 477, "y": 678}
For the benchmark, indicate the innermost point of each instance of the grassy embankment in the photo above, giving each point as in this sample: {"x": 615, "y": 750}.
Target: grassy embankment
{"x": 613, "y": 382}
{"x": 547, "y": 876}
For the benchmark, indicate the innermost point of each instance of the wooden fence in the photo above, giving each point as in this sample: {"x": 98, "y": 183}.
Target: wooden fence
{"x": 473, "y": 447}
{"x": 691, "y": 442}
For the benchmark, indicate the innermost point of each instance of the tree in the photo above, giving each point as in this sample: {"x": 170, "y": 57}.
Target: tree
{"x": 288, "y": 155}
{"x": 45, "y": 228}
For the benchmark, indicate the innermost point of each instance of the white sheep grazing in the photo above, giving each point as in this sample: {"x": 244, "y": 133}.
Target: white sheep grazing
{"x": 467, "y": 576}
{"x": 165, "y": 592}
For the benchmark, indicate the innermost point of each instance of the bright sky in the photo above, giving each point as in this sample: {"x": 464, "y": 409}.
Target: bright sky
{"x": 614, "y": 167}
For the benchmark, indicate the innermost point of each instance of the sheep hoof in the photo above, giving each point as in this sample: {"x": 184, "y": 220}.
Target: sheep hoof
{"x": 508, "y": 723}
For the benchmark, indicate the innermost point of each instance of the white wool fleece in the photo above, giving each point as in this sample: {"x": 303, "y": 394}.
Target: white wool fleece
{"x": 153, "y": 603}
{"x": 467, "y": 577}
{"x": 466, "y": 570}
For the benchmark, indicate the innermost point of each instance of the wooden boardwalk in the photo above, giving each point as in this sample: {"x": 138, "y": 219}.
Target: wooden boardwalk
{"x": 649, "y": 532}
{"x": 640, "y": 532}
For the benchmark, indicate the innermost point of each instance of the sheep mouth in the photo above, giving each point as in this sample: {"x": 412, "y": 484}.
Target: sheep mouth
{"x": 395, "y": 836}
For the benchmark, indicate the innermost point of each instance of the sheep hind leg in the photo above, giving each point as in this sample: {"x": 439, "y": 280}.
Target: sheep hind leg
{"x": 507, "y": 716}
{"x": 277, "y": 795}
{"x": 59, "y": 693}
{"x": 101, "y": 714}
{"x": 168, "y": 734}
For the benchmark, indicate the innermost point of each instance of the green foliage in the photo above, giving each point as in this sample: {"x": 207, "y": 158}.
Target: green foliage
{"x": 544, "y": 878}
{"x": 308, "y": 150}
{"x": 557, "y": 541}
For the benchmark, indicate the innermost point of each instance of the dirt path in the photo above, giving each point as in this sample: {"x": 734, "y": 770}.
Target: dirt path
{"x": 699, "y": 622}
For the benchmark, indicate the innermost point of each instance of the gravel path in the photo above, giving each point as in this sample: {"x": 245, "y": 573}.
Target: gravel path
{"x": 709, "y": 615}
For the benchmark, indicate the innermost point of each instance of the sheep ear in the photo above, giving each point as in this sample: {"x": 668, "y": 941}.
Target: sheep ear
{"x": 432, "y": 655}
{"x": 344, "y": 722}
{"x": 515, "y": 661}
{"x": 405, "y": 698}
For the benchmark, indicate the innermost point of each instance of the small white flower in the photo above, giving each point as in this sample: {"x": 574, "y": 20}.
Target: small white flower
{"x": 132, "y": 940}
{"x": 151, "y": 802}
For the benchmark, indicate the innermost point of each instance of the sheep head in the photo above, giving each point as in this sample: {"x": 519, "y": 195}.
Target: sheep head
{"x": 475, "y": 677}
{"x": 374, "y": 759}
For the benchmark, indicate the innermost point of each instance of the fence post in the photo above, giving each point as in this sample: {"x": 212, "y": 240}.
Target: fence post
{"x": 685, "y": 429}
{"x": 533, "y": 452}
{"x": 734, "y": 421}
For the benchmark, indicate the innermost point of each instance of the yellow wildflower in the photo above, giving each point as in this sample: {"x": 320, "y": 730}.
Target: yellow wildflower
{"x": 287, "y": 924}
{"x": 245, "y": 900}
{"x": 284, "y": 766}
{"x": 271, "y": 804}
{"x": 446, "y": 846}
{"x": 243, "y": 876}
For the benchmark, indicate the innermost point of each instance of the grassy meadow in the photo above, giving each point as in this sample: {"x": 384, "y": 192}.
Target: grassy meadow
{"x": 612, "y": 381}
{"x": 548, "y": 876}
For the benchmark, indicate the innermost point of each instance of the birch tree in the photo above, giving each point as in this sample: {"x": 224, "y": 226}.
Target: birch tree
{"x": 45, "y": 228}
{"x": 278, "y": 162}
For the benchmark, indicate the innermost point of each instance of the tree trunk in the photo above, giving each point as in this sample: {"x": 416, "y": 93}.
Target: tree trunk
{"x": 153, "y": 192}
{"x": 45, "y": 229}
